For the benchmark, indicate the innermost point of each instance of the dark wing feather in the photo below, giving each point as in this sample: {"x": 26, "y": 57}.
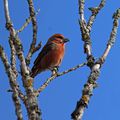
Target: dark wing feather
{"x": 46, "y": 49}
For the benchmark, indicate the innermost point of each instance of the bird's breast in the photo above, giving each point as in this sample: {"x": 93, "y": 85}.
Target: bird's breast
{"x": 54, "y": 57}
{"x": 57, "y": 55}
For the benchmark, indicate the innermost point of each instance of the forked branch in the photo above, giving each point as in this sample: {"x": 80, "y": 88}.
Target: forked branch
{"x": 33, "y": 111}
{"x": 95, "y": 72}
{"x": 33, "y": 48}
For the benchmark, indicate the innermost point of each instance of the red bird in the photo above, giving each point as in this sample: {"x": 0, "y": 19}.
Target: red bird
{"x": 51, "y": 55}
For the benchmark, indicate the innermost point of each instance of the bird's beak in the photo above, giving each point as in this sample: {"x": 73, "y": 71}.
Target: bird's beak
{"x": 66, "y": 40}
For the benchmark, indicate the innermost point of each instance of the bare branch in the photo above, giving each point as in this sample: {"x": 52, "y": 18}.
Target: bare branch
{"x": 37, "y": 47}
{"x": 13, "y": 84}
{"x": 57, "y": 75}
{"x": 6, "y": 9}
{"x": 86, "y": 93}
{"x": 27, "y": 22}
{"x": 34, "y": 112}
{"x": 13, "y": 57}
{"x": 95, "y": 12}
{"x": 112, "y": 38}
{"x": 95, "y": 71}
{"x": 81, "y": 9}
{"x": 86, "y": 28}
{"x": 34, "y": 23}
{"x": 83, "y": 28}
{"x": 28, "y": 58}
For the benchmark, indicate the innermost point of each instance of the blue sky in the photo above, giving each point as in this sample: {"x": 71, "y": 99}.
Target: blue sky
{"x": 59, "y": 99}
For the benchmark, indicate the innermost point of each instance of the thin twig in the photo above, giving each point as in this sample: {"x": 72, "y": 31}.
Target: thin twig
{"x": 57, "y": 75}
{"x": 112, "y": 38}
{"x": 95, "y": 11}
{"x": 28, "y": 20}
{"x": 31, "y": 52}
{"x": 34, "y": 24}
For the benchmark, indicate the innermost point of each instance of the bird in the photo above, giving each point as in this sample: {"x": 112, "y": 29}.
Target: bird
{"x": 50, "y": 56}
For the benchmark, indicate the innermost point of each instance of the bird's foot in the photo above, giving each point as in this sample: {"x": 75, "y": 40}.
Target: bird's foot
{"x": 55, "y": 70}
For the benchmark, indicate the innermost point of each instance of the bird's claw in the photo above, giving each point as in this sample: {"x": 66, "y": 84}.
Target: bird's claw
{"x": 55, "y": 70}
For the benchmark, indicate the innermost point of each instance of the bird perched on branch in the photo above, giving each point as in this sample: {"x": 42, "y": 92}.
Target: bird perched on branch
{"x": 51, "y": 55}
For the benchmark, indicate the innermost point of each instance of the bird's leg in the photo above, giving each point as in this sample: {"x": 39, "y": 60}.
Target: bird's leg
{"x": 55, "y": 70}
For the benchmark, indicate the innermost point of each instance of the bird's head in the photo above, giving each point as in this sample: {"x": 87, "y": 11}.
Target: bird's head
{"x": 58, "y": 38}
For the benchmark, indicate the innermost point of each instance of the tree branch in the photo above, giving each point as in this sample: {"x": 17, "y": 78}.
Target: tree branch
{"x": 84, "y": 30}
{"x": 57, "y": 75}
{"x": 6, "y": 9}
{"x": 112, "y": 38}
{"x": 34, "y": 23}
{"x": 13, "y": 84}
{"x": 95, "y": 71}
{"x": 28, "y": 20}
{"x": 81, "y": 9}
{"x": 34, "y": 112}
{"x": 95, "y": 11}
{"x": 13, "y": 56}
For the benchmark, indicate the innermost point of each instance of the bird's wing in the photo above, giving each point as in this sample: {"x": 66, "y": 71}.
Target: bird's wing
{"x": 46, "y": 49}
